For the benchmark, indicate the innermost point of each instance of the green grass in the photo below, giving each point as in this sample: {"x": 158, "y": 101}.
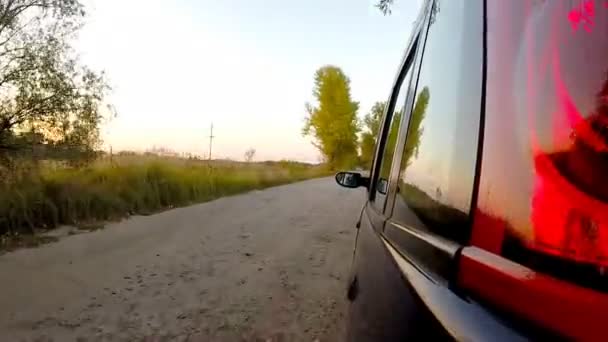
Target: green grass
{"x": 45, "y": 197}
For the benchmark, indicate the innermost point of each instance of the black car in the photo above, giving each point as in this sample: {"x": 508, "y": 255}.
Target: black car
{"x": 487, "y": 210}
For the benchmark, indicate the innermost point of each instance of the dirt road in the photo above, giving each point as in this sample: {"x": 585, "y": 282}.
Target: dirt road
{"x": 267, "y": 265}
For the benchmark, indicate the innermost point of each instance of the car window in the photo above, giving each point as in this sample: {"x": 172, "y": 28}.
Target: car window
{"x": 394, "y": 115}
{"x": 438, "y": 164}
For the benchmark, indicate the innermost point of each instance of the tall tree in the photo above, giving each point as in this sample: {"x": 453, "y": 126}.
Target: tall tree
{"x": 415, "y": 128}
{"x": 391, "y": 141}
{"x": 372, "y": 122}
{"x": 44, "y": 91}
{"x": 371, "y": 126}
{"x": 333, "y": 121}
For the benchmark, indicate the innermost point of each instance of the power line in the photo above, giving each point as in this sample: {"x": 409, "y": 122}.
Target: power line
{"x": 211, "y": 136}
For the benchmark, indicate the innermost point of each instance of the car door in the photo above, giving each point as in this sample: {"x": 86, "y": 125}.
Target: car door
{"x": 383, "y": 307}
{"x": 434, "y": 174}
{"x": 543, "y": 190}
{"x": 422, "y": 189}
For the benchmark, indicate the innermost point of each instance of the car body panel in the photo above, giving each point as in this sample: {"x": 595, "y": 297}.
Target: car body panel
{"x": 541, "y": 222}
{"x": 395, "y": 296}
{"x": 384, "y": 307}
{"x": 523, "y": 272}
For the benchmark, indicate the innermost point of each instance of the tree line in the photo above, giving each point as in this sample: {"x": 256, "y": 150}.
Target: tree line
{"x": 52, "y": 104}
{"x": 344, "y": 140}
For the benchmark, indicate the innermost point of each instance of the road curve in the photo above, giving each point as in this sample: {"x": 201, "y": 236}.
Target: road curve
{"x": 266, "y": 265}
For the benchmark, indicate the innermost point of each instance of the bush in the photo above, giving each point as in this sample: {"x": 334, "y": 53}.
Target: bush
{"x": 35, "y": 196}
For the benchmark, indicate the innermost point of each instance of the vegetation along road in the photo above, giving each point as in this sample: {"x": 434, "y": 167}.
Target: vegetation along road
{"x": 266, "y": 265}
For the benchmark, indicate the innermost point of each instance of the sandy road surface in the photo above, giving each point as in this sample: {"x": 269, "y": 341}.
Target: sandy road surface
{"x": 265, "y": 265}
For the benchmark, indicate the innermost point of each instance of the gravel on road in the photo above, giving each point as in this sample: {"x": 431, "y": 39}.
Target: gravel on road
{"x": 268, "y": 265}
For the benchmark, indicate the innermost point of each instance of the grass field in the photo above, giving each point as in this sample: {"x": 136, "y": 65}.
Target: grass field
{"x": 48, "y": 195}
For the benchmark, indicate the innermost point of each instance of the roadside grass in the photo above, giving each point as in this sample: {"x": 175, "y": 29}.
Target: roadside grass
{"x": 12, "y": 242}
{"x": 47, "y": 196}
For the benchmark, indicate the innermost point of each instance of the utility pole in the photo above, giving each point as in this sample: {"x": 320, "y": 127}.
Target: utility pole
{"x": 211, "y": 136}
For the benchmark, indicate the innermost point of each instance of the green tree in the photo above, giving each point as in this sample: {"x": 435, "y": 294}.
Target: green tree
{"x": 43, "y": 88}
{"x": 333, "y": 121}
{"x": 372, "y": 122}
{"x": 391, "y": 143}
{"x": 371, "y": 126}
{"x": 415, "y": 128}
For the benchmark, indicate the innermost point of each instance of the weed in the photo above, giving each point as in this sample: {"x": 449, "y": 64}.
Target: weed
{"x": 45, "y": 197}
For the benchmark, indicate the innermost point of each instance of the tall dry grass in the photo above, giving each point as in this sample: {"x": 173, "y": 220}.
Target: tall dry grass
{"x": 48, "y": 195}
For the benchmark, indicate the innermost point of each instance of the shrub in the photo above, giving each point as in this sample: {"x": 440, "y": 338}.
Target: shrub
{"x": 40, "y": 197}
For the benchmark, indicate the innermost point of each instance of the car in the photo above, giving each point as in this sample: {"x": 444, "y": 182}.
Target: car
{"x": 486, "y": 214}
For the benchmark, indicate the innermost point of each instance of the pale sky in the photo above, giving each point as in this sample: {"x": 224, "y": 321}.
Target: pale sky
{"x": 176, "y": 66}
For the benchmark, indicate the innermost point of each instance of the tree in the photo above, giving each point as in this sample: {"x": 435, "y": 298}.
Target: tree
{"x": 333, "y": 122}
{"x": 371, "y": 123}
{"x": 385, "y": 6}
{"x": 43, "y": 88}
{"x": 391, "y": 143}
{"x": 415, "y": 129}
{"x": 249, "y": 154}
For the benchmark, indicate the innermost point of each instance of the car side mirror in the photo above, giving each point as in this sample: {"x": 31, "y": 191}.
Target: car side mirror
{"x": 351, "y": 179}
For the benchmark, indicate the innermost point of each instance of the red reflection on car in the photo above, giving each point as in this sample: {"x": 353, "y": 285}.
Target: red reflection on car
{"x": 569, "y": 215}
{"x": 583, "y": 14}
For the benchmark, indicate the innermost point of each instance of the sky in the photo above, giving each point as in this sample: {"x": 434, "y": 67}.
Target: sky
{"x": 176, "y": 66}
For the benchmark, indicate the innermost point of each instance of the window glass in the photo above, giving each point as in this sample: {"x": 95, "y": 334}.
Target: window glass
{"x": 393, "y": 121}
{"x": 438, "y": 165}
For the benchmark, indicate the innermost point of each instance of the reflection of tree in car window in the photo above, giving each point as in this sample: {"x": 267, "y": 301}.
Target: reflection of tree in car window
{"x": 429, "y": 209}
{"x": 414, "y": 134}
{"x": 415, "y": 128}
{"x": 393, "y": 131}
{"x": 391, "y": 143}
{"x": 437, "y": 168}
